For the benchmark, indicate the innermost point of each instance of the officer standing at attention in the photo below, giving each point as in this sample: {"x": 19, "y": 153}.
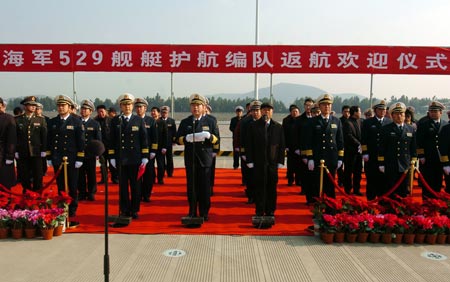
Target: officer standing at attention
{"x": 147, "y": 179}
{"x": 129, "y": 152}
{"x": 171, "y": 135}
{"x": 31, "y": 145}
{"x": 198, "y": 133}
{"x": 370, "y": 144}
{"x": 8, "y": 141}
{"x": 162, "y": 137}
{"x": 87, "y": 182}
{"x": 324, "y": 141}
{"x": 265, "y": 154}
{"x": 233, "y": 124}
{"x": 428, "y": 145}
{"x": 66, "y": 139}
{"x": 397, "y": 150}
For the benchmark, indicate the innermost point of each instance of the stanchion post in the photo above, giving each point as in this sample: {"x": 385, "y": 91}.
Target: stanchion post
{"x": 322, "y": 165}
{"x": 66, "y": 185}
{"x": 412, "y": 170}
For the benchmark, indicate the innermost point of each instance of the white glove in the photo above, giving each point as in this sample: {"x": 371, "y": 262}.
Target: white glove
{"x": 366, "y": 158}
{"x": 206, "y": 135}
{"x": 311, "y": 165}
{"x": 163, "y": 151}
{"x": 49, "y": 163}
{"x": 190, "y": 138}
{"x": 201, "y": 136}
{"x": 152, "y": 156}
{"x": 244, "y": 158}
{"x": 339, "y": 164}
{"x": 8, "y": 162}
{"x": 214, "y": 155}
{"x": 144, "y": 161}
{"x": 250, "y": 165}
{"x": 446, "y": 170}
{"x": 359, "y": 149}
{"x": 279, "y": 165}
{"x": 113, "y": 162}
{"x": 78, "y": 164}
{"x": 236, "y": 149}
{"x": 422, "y": 160}
{"x": 16, "y": 155}
{"x": 43, "y": 154}
{"x": 297, "y": 152}
{"x": 381, "y": 168}
{"x": 305, "y": 161}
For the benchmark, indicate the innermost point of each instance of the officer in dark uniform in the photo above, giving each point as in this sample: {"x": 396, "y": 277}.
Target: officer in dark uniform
{"x": 300, "y": 126}
{"x": 171, "y": 135}
{"x": 216, "y": 147}
{"x": 397, "y": 149}
{"x": 105, "y": 124}
{"x": 39, "y": 110}
{"x": 8, "y": 141}
{"x": 129, "y": 153}
{"x": 265, "y": 154}
{"x": 233, "y": 124}
{"x": 87, "y": 183}
{"x": 428, "y": 148}
{"x": 370, "y": 144}
{"x": 324, "y": 141}
{"x": 140, "y": 106}
{"x": 444, "y": 149}
{"x": 163, "y": 143}
{"x": 66, "y": 139}
{"x": 290, "y": 133}
{"x": 198, "y": 134}
{"x": 31, "y": 145}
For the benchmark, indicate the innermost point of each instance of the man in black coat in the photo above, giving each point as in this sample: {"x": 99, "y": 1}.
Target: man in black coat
{"x": 66, "y": 139}
{"x": 397, "y": 150}
{"x": 31, "y": 145}
{"x": 352, "y": 148}
{"x": 324, "y": 141}
{"x": 444, "y": 148}
{"x": 304, "y": 173}
{"x": 370, "y": 144}
{"x": 239, "y": 110}
{"x": 428, "y": 144}
{"x": 8, "y": 141}
{"x": 171, "y": 135}
{"x": 87, "y": 182}
{"x": 265, "y": 154}
{"x": 163, "y": 143}
{"x": 198, "y": 133}
{"x": 290, "y": 133}
{"x": 129, "y": 154}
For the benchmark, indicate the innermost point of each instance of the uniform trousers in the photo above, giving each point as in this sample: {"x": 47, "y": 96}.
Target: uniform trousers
{"x": 169, "y": 161}
{"x": 352, "y": 172}
{"x": 198, "y": 189}
{"x": 7, "y": 175}
{"x": 72, "y": 181}
{"x": 265, "y": 192}
{"x": 376, "y": 181}
{"x": 31, "y": 168}
{"x": 87, "y": 182}
{"x": 160, "y": 160}
{"x": 392, "y": 178}
{"x": 130, "y": 189}
{"x": 328, "y": 186}
{"x": 293, "y": 168}
{"x": 433, "y": 175}
{"x": 147, "y": 180}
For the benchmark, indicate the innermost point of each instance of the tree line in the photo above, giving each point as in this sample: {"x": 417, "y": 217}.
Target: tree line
{"x": 223, "y": 105}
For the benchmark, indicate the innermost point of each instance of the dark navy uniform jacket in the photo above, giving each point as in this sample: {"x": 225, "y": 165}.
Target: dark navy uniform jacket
{"x": 427, "y": 136}
{"x": 92, "y": 131}
{"x": 152, "y": 133}
{"x": 371, "y": 137}
{"x": 65, "y": 138}
{"x": 128, "y": 141}
{"x": 203, "y": 150}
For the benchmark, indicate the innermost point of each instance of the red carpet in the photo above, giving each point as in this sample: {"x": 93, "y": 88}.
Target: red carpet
{"x": 229, "y": 214}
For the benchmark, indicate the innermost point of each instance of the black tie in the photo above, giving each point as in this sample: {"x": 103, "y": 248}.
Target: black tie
{"x": 400, "y": 128}
{"x": 125, "y": 120}
{"x": 325, "y": 120}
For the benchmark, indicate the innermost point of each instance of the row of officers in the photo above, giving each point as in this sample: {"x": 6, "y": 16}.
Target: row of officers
{"x": 132, "y": 141}
{"x": 382, "y": 146}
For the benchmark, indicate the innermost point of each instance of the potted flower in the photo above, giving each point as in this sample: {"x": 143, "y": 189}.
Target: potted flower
{"x": 61, "y": 215}
{"x": 387, "y": 227}
{"x": 365, "y": 227}
{"x": 423, "y": 224}
{"x": 32, "y": 217}
{"x": 399, "y": 230}
{"x": 328, "y": 228}
{"x": 18, "y": 221}
{"x": 5, "y": 218}
{"x": 47, "y": 222}
{"x": 351, "y": 227}
{"x": 378, "y": 222}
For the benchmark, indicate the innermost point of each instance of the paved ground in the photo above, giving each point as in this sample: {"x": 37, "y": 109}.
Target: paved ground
{"x": 79, "y": 257}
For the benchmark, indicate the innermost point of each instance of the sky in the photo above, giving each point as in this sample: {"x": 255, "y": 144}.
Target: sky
{"x": 281, "y": 22}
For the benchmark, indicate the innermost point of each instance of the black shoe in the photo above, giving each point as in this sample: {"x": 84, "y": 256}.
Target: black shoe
{"x": 160, "y": 182}
{"x": 115, "y": 181}
{"x": 91, "y": 198}
{"x": 147, "y": 200}
{"x": 135, "y": 215}
{"x": 73, "y": 224}
{"x": 250, "y": 201}
{"x": 101, "y": 182}
{"x": 205, "y": 218}
{"x": 302, "y": 193}
{"x": 290, "y": 184}
{"x": 358, "y": 193}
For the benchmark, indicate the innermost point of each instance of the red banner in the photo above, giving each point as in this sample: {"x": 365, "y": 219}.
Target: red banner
{"x": 223, "y": 58}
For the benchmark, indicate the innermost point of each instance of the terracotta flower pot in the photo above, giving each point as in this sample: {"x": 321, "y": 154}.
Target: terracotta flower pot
{"x": 374, "y": 237}
{"x": 47, "y": 234}
{"x": 351, "y": 237}
{"x": 4, "y": 233}
{"x": 386, "y": 238}
{"x": 420, "y": 238}
{"x": 409, "y": 238}
{"x": 398, "y": 238}
{"x": 441, "y": 238}
{"x": 30, "y": 233}
{"x": 339, "y": 237}
{"x": 431, "y": 239}
{"x": 327, "y": 238}
{"x": 17, "y": 233}
{"x": 362, "y": 237}
{"x": 58, "y": 230}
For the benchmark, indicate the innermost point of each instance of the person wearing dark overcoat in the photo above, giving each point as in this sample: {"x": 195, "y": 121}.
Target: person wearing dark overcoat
{"x": 31, "y": 145}
{"x": 129, "y": 154}
{"x": 444, "y": 149}
{"x": 198, "y": 133}
{"x": 147, "y": 180}
{"x": 66, "y": 139}
{"x": 239, "y": 110}
{"x": 293, "y": 157}
{"x": 324, "y": 141}
{"x": 171, "y": 135}
{"x": 304, "y": 173}
{"x": 87, "y": 182}
{"x": 163, "y": 143}
{"x": 370, "y": 144}
{"x": 397, "y": 150}
{"x": 8, "y": 141}
{"x": 105, "y": 124}
{"x": 265, "y": 151}
{"x": 428, "y": 145}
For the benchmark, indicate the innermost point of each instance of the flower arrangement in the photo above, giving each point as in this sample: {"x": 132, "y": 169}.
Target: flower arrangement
{"x": 366, "y": 223}
{"x": 32, "y": 217}
{"x": 48, "y": 218}
{"x": 5, "y": 218}
{"x": 18, "y": 219}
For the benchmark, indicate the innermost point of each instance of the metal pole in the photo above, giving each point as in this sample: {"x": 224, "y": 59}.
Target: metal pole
{"x": 322, "y": 166}
{"x": 73, "y": 88}
{"x": 256, "y": 43}
{"x": 411, "y": 179}
{"x": 172, "y": 98}
{"x": 271, "y": 89}
{"x": 371, "y": 93}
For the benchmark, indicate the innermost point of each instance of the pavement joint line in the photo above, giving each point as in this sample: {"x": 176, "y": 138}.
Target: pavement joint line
{"x": 404, "y": 265}
{"x": 358, "y": 264}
